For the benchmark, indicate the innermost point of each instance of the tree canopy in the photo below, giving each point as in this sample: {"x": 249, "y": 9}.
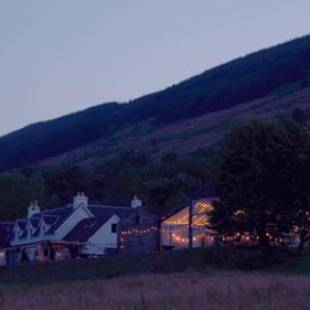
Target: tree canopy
{"x": 160, "y": 183}
{"x": 262, "y": 179}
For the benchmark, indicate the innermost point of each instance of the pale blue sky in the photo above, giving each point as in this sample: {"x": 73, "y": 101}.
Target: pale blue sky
{"x": 60, "y": 56}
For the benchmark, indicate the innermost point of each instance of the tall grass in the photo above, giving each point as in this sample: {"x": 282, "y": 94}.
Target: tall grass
{"x": 166, "y": 292}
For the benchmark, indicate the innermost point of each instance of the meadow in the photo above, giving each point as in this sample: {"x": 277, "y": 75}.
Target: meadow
{"x": 187, "y": 290}
{"x": 185, "y": 279}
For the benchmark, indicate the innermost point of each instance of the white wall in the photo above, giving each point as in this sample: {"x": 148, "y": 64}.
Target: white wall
{"x": 103, "y": 238}
{"x": 17, "y": 233}
{"x": 2, "y": 257}
{"x": 78, "y": 215}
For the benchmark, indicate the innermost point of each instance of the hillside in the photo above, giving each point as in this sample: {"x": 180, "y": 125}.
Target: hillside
{"x": 185, "y": 136}
{"x": 174, "y": 118}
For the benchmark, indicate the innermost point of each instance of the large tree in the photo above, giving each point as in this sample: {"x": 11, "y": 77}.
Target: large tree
{"x": 260, "y": 178}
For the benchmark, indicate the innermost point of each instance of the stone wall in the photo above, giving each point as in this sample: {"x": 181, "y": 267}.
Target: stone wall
{"x": 139, "y": 232}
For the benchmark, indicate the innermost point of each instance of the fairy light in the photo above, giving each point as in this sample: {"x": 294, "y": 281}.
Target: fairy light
{"x": 141, "y": 231}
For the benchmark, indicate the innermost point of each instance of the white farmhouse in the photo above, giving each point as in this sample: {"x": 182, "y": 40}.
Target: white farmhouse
{"x": 77, "y": 229}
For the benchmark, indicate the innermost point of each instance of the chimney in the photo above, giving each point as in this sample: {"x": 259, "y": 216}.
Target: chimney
{"x": 80, "y": 200}
{"x": 136, "y": 202}
{"x": 33, "y": 209}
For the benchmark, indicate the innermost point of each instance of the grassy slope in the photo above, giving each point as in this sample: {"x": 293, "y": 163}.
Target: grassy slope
{"x": 297, "y": 266}
{"x": 105, "y": 267}
{"x": 185, "y": 136}
{"x": 164, "y": 280}
{"x": 202, "y": 260}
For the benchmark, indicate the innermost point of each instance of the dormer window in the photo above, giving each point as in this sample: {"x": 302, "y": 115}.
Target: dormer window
{"x": 22, "y": 235}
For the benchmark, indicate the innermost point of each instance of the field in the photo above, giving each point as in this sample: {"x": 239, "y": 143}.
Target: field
{"x": 195, "y": 279}
{"x": 189, "y": 290}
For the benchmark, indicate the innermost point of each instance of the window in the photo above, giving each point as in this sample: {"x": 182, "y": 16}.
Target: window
{"x": 114, "y": 228}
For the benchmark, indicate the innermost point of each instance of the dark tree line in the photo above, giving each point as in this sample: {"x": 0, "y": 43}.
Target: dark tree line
{"x": 160, "y": 183}
{"x": 263, "y": 182}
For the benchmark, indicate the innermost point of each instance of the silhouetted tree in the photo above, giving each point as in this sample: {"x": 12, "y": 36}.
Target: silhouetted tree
{"x": 258, "y": 177}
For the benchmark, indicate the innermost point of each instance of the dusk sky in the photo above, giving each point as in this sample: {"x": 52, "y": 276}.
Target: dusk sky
{"x": 61, "y": 56}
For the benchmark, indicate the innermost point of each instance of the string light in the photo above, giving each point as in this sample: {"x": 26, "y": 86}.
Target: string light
{"x": 176, "y": 235}
{"x": 141, "y": 231}
{"x": 179, "y": 232}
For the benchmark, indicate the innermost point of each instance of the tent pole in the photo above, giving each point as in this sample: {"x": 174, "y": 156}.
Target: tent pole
{"x": 190, "y": 225}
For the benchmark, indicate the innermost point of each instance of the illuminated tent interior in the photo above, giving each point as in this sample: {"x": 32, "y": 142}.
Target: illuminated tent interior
{"x": 174, "y": 229}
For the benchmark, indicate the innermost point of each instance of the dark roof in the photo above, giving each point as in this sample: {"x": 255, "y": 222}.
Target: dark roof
{"x": 36, "y": 233}
{"x": 35, "y": 220}
{"x": 50, "y": 219}
{"x": 108, "y": 211}
{"x": 5, "y": 232}
{"x": 58, "y": 211}
{"x": 113, "y": 203}
{"x": 56, "y": 217}
{"x": 21, "y": 223}
{"x": 62, "y": 214}
{"x": 85, "y": 229}
{"x": 207, "y": 191}
{"x": 100, "y": 211}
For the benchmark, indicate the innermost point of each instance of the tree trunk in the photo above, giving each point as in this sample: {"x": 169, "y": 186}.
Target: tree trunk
{"x": 303, "y": 239}
{"x": 264, "y": 243}
{"x": 190, "y": 225}
{"x": 301, "y": 246}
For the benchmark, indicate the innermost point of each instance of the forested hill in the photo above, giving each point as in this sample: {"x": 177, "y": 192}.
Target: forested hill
{"x": 238, "y": 82}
